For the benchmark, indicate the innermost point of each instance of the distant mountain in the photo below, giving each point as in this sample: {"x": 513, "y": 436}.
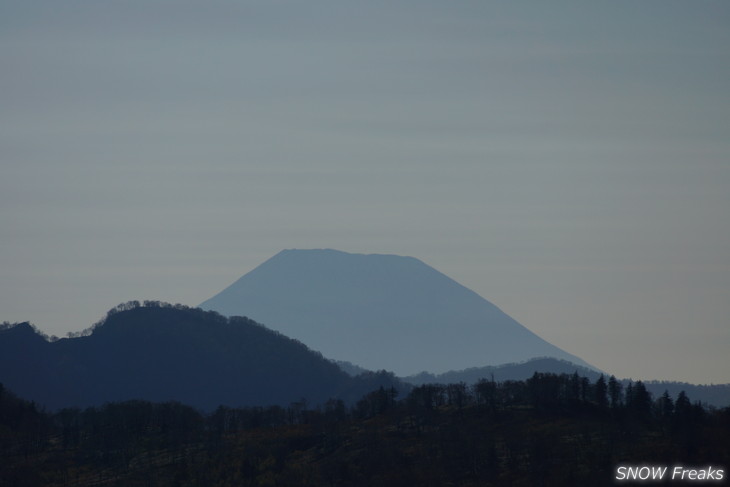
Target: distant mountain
{"x": 380, "y": 312}
{"x": 717, "y": 395}
{"x": 501, "y": 373}
{"x": 162, "y": 352}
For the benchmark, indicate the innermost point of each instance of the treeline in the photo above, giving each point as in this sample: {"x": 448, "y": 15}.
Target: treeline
{"x": 135, "y": 304}
{"x": 545, "y": 392}
{"x": 126, "y": 306}
{"x": 548, "y": 430}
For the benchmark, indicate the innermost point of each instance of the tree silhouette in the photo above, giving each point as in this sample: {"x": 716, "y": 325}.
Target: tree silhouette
{"x": 614, "y": 392}
{"x": 600, "y": 392}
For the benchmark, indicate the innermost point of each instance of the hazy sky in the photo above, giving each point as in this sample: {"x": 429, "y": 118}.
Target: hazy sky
{"x": 568, "y": 161}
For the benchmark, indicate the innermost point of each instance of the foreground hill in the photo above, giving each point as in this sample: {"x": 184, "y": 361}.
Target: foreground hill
{"x": 542, "y": 431}
{"x": 162, "y": 353}
{"x": 380, "y": 311}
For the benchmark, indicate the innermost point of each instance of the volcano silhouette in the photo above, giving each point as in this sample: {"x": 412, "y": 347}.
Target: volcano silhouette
{"x": 380, "y": 312}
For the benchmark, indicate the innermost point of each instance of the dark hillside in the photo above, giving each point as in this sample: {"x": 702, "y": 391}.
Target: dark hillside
{"x": 160, "y": 352}
{"x": 24, "y": 360}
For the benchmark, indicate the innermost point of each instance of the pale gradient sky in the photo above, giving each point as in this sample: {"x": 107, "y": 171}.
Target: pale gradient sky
{"x": 568, "y": 161}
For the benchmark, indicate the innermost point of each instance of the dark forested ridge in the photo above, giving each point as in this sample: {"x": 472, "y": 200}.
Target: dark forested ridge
{"x": 165, "y": 395}
{"x": 547, "y": 430}
{"x": 160, "y": 352}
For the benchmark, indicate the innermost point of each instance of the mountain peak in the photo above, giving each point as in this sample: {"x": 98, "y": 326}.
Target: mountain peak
{"x": 22, "y": 331}
{"x": 379, "y": 311}
{"x": 334, "y": 254}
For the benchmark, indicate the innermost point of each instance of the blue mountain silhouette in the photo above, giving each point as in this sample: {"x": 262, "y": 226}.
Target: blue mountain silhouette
{"x": 380, "y": 312}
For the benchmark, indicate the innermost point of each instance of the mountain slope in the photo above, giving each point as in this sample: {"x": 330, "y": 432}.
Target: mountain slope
{"x": 380, "y": 311}
{"x": 162, "y": 353}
